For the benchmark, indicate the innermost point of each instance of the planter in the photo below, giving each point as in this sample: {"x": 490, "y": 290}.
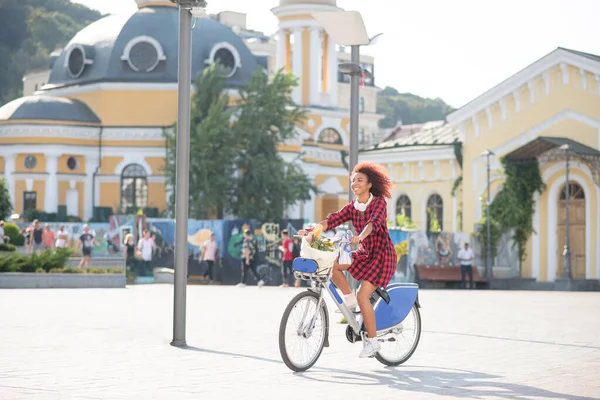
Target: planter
{"x": 21, "y": 280}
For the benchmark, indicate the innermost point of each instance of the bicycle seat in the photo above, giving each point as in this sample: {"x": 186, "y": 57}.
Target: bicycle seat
{"x": 383, "y": 294}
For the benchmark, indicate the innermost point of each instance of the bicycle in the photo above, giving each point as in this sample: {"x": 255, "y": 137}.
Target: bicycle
{"x": 396, "y": 306}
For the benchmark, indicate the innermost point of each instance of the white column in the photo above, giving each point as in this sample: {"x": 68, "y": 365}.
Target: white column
{"x": 281, "y": 49}
{"x": 91, "y": 163}
{"x": 9, "y": 169}
{"x": 315, "y": 65}
{"x": 51, "y": 190}
{"x": 297, "y": 65}
{"x": 332, "y": 71}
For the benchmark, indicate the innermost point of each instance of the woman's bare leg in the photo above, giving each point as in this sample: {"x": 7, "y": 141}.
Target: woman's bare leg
{"x": 339, "y": 278}
{"x": 366, "y": 309}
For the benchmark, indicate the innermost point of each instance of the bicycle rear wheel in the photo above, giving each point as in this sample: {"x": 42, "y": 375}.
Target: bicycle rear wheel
{"x": 399, "y": 344}
{"x": 301, "y": 345}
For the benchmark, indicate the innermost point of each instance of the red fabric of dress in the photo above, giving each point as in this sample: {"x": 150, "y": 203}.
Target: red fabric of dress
{"x": 375, "y": 260}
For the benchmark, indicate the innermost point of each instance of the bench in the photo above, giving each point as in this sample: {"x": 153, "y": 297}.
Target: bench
{"x": 445, "y": 276}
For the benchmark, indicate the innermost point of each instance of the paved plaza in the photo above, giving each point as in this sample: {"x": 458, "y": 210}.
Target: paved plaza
{"x": 114, "y": 344}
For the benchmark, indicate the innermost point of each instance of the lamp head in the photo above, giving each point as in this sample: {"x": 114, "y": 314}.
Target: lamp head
{"x": 564, "y": 147}
{"x": 374, "y": 39}
{"x": 488, "y": 153}
{"x": 349, "y": 68}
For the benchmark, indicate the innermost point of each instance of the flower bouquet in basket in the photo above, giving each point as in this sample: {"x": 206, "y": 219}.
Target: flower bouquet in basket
{"x": 319, "y": 249}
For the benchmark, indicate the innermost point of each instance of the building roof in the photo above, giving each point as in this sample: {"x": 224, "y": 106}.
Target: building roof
{"x": 402, "y": 130}
{"x": 48, "y": 108}
{"x": 112, "y": 48}
{"x": 585, "y": 61}
{"x": 435, "y": 133}
{"x": 530, "y": 151}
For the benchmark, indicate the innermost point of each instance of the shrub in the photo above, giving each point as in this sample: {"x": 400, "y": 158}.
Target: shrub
{"x": 66, "y": 270}
{"x": 12, "y": 231}
{"x": 7, "y": 247}
{"x": 96, "y": 271}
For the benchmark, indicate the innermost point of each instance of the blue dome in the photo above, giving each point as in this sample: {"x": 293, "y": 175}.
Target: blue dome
{"x": 143, "y": 47}
{"x": 48, "y": 108}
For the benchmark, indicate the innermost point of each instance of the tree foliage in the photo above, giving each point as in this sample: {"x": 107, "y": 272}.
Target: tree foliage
{"x": 235, "y": 166}
{"x": 5, "y": 201}
{"x": 30, "y": 30}
{"x": 267, "y": 117}
{"x": 514, "y": 206}
{"x": 409, "y": 108}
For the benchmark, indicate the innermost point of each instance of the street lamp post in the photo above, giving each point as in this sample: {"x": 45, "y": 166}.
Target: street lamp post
{"x": 182, "y": 174}
{"x": 347, "y": 28}
{"x": 488, "y": 251}
{"x": 567, "y": 274}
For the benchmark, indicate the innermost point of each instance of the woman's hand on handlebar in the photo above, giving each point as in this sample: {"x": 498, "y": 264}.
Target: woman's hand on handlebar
{"x": 356, "y": 239}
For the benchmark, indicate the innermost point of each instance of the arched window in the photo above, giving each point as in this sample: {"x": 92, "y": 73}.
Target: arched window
{"x": 403, "y": 206}
{"x": 435, "y": 214}
{"x": 330, "y": 136}
{"x": 134, "y": 188}
{"x": 575, "y": 192}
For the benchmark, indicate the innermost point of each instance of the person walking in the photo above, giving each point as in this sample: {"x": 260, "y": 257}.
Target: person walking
{"x": 146, "y": 245}
{"x": 48, "y": 237}
{"x": 249, "y": 253}
{"x": 287, "y": 249}
{"x": 465, "y": 256}
{"x": 38, "y": 237}
{"x": 62, "y": 238}
{"x": 87, "y": 240}
{"x": 209, "y": 256}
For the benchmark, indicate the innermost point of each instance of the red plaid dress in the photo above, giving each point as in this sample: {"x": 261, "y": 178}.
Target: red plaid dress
{"x": 375, "y": 260}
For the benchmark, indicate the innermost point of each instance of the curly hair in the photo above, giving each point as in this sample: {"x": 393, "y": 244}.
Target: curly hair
{"x": 377, "y": 176}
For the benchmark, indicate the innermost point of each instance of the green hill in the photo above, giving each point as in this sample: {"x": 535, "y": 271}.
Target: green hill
{"x": 409, "y": 108}
{"x": 29, "y": 31}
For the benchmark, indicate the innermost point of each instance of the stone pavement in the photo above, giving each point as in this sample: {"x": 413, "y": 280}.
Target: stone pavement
{"x": 114, "y": 344}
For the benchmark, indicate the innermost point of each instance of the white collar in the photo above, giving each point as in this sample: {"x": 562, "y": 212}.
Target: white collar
{"x": 363, "y": 206}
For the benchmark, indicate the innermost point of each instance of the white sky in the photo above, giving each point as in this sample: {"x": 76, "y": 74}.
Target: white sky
{"x": 452, "y": 49}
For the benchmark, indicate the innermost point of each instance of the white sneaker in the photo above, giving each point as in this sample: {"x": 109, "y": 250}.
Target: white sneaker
{"x": 350, "y": 301}
{"x": 260, "y": 283}
{"x": 370, "y": 347}
{"x": 241, "y": 285}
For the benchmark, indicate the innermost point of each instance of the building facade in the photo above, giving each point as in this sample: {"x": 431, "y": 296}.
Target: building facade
{"x": 530, "y": 116}
{"x": 89, "y": 132}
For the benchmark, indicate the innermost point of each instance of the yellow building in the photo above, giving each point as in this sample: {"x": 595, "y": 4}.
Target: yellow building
{"x": 554, "y": 101}
{"x": 89, "y": 132}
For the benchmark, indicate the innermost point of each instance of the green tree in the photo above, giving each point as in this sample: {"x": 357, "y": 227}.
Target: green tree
{"x": 235, "y": 166}
{"x": 213, "y": 149}
{"x": 5, "y": 202}
{"x": 409, "y": 108}
{"x": 29, "y": 31}
{"x": 267, "y": 117}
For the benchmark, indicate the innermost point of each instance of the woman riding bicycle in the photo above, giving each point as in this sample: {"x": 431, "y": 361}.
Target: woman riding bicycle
{"x": 374, "y": 263}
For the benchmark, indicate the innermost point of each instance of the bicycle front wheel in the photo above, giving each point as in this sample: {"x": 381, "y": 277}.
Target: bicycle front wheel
{"x": 301, "y": 344}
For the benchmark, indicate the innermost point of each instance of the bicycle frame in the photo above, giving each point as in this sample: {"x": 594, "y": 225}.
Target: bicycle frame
{"x": 320, "y": 282}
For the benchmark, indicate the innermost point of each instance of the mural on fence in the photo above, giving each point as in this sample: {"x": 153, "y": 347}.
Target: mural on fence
{"x": 399, "y": 239}
{"x": 442, "y": 249}
{"x": 228, "y": 235}
{"x": 104, "y": 247}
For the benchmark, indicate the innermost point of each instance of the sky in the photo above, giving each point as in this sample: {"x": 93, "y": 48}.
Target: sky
{"x": 452, "y": 49}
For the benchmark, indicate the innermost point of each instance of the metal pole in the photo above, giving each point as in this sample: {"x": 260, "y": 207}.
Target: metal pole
{"x": 488, "y": 261}
{"x": 182, "y": 176}
{"x": 567, "y": 252}
{"x": 354, "y": 97}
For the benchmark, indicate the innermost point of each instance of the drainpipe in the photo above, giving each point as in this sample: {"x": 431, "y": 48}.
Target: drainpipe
{"x": 97, "y": 171}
